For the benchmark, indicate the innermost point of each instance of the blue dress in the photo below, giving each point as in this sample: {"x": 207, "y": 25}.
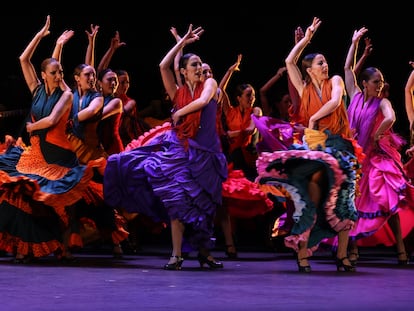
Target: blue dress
{"x": 165, "y": 180}
{"x": 83, "y": 135}
{"x": 85, "y": 141}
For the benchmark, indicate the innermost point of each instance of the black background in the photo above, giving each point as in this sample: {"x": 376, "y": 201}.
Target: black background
{"x": 263, "y": 33}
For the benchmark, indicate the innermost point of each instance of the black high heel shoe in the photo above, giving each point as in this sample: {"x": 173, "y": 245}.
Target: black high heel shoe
{"x": 402, "y": 262}
{"x": 21, "y": 259}
{"x": 303, "y": 269}
{"x": 176, "y": 265}
{"x": 341, "y": 266}
{"x": 353, "y": 261}
{"x": 209, "y": 261}
{"x": 231, "y": 252}
{"x": 117, "y": 252}
{"x": 64, "y": 257}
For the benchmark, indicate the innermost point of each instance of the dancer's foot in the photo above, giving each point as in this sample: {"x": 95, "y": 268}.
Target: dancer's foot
{"x": 402, "y": 258}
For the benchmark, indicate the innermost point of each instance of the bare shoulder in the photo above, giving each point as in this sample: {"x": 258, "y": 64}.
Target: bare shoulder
{"x": 385, "y": 102}
{"x": 211, "y": 82}
{"x": 337, "y": 79}
{"x": 257, "y": 111}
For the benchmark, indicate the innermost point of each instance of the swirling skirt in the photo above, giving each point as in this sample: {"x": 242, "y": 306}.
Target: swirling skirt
{"x": 35, "y": 197}
{"x": 164, "y": 181}
{"x": 292, "y": 169}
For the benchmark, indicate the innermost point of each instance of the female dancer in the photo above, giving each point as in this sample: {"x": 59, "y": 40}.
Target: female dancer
{"x": 179, "y": 174}
{"x": 41, "y": 183}
{"x": 384, "y": 188}
{"x": 320, "y": 174}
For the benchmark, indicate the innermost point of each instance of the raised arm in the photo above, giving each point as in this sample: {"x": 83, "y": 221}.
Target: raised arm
{"x": 90, "y": 51}
{"x": 225, "y": 100}
{"x": 60, "y": 42}
{"x": 57, "y": 52}
{"x": 167, "y": 76}
{"x": 293, "y": 70}
{"x": 299, "y": 34}
{"x": 199, "y": 31}
{"x": 116, "y": 43}
{"x": 409, "y": 98}
{"x": 293, "y": 92}
{"x": 29, "y": 72}
{"x": 265, "y": 89}
{"x": 177, "y": 57}
{"x": 351, "y": 83}
{"x": 361, "y": 61}
{"x": 229, "y": 73}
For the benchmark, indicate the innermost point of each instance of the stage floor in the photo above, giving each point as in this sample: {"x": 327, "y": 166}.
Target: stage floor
{"x": 255, "y": 281}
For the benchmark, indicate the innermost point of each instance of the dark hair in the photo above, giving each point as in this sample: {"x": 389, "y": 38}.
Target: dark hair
{"x": 184, "y": 60}
{"x": 77, "y": 71}
{"x": 307, "y": 63}
{"x": 103, "y": 72}
{"x": 121, "y": 72}
{"x": 183, "y": 63}
{"x": 47, "y": 62}
{"x": 367, "y": 73}
{"x": 238, "y": 91}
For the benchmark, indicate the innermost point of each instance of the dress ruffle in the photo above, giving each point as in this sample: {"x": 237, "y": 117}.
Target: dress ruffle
{"x": 384, "y": 188}
{"x": 266, "y": 169}
{"x": 146, "y": 137}
{"x": 42, "y": 194}
{"x": 243, "y": 198}
{"x": 164, "y": 181}
{"x": 58, "y": 191}
{"x": 275, "y": 134}
{"x": 288, "y": 170}
{"x": 385, "y": 191}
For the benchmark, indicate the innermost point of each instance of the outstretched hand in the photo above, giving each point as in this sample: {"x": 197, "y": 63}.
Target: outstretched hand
{"x": 197, "y": 32}
{"x": 45, "y": 30}
{"x": 235, "y": 66}
{"x": 175, "y": 34}
{"x": 93, "y": 33}
{"x": 299, "y": 34}
{"x": 65, "y": 36}
{"x": 192, "y": 35}
{"x": 313, "y": 27}
{"x": 116, "y": 41}
{"x": 368, "y": 46}
{"x": 358, "y": 34}
{"x": 281, "y": 71}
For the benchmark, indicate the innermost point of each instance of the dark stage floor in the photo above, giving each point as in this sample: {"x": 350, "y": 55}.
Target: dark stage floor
{"x": 258, "y": 280}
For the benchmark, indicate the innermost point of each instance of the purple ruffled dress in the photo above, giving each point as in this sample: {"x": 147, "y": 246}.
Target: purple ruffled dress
{"x": 165, "y": 181}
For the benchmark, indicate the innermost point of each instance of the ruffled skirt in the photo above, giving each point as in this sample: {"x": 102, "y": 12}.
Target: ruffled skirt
{"x": 35, "y": 197}
{"x": 385, "y": 190}
{"x": 291, "y": 171}
{"x": 164, "y": 181}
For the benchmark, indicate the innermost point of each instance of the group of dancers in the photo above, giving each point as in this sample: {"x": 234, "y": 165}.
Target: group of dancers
{"x": 334, "y": 169}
